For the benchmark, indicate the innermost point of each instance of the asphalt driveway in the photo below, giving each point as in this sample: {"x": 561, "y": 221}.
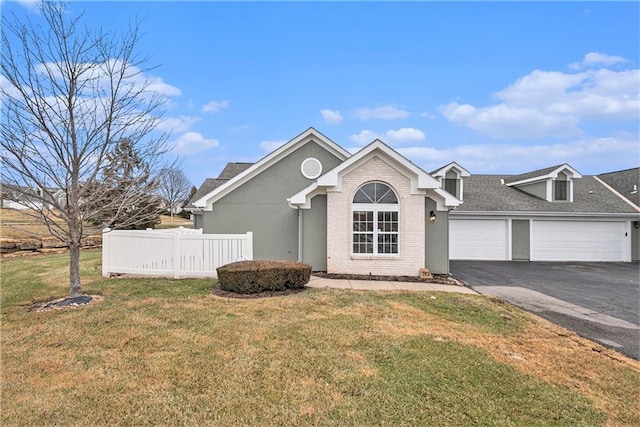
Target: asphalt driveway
{"x": 599, "y": 301}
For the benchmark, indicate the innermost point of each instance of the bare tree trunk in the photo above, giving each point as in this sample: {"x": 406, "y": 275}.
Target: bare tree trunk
{"x": 69, "y": 96}
{"x": 75, "y": 287}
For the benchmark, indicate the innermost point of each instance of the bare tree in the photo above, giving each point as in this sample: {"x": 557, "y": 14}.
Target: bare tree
{"x": 173, "y": 187}
{"x": 68, "y": 95}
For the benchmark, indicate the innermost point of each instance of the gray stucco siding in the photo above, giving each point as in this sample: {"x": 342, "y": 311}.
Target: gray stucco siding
{"x": 436, "y": 239}
{"x": 538, "y": 189}
{"x": 274, "y": 227}
{"x": 260, "y": 205}
{"x": 314, "y": 234}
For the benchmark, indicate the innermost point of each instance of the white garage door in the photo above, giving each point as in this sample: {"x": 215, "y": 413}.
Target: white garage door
{"x": 479, "y": 239}
{"x": 579, "y": 241}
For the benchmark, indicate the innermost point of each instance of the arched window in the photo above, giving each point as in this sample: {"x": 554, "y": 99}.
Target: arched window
{"x": 375, "y": 219}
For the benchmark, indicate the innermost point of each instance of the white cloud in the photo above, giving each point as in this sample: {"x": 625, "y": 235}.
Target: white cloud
{"x": 32, "y": 5}
{"x": 540, "y": 87}
{"x": 405, "y": 135}
{"x": 397, "y": 136}
{"x": 215, "y": 106}
{"x": 7, "y": 88}
{"x": 270, "y": 146}
{"x": 176, "y": 124}
{"x": 331, "y": 117}
{"x": 364, "y": 137}
{"x": 596, "y": 58}
{"x": 193, "y": 143}
{"x": 387, "y": 112}
{"x": 504, "y": 121}
{"x": 98, "y": 73}
{"x": 156, "y": 84}
{"x": 427, "y": 115}
{"x": 592, "y": 153}
{"x": 553, "y": 104}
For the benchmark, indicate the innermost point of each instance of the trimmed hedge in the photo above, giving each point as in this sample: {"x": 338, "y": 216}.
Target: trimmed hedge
{"x": 249, "y": 277}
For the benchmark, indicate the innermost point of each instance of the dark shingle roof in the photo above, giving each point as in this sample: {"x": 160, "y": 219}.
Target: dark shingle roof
{"x": 623, "y": 182}
{"x": 486, "y": 193}
{"x": 210, "y": 184}
{"x": 233, "y": 169}
{"x": 532, "y": 174}
{"x": 207, "y": 186}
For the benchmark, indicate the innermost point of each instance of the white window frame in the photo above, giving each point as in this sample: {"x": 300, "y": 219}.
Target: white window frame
{"x": 375, "y": 208}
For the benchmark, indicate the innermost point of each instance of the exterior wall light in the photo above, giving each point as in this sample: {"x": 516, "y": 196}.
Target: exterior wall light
{"x": 432, "y": 216}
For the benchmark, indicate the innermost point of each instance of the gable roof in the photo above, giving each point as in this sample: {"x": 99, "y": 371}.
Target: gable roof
{"x": 487, "y": 194}
{"x": 625, "y": 182}
{"x": 207, "y": 186}
{"x": 207, "y": 199}
{"x": 233, "y": 169}
{"x": 540, "y": 174}
{"x": 420, "y": 180}
{"x": 441, "y": 172}
{"x": 210, "y": 184}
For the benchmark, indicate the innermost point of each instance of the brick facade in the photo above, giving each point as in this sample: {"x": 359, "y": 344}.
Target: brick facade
{"x": 411, "y": 256}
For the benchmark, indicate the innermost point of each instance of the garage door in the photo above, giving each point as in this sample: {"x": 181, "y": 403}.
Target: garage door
{"x": 478, "y": 239}
{"x": 579, "y": 241}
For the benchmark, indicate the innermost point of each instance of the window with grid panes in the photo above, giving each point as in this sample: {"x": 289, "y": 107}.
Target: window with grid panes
{"x": 375, "y": 220}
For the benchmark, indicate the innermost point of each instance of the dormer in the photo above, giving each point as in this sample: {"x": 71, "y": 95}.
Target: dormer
{"x": 451, "y": 178}
{"x": 554, "y": 184}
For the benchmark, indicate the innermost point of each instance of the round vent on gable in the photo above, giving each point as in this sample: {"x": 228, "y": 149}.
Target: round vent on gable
{"x": 311, "y": 168}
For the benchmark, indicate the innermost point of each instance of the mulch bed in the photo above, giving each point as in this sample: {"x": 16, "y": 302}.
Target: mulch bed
{"x": 216, "y": 290}
{"x": 442, "y": 279}
{"x": 64, "y": 303}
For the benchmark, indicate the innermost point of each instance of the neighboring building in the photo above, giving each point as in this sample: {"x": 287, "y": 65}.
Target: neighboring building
{"x": 16, "y": 197}
{"x": 625, "y": 184}
{"x": 553, "y": 214}
{"x": 375, "y": 212}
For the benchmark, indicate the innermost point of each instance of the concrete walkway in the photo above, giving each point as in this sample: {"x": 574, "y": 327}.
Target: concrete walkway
{"x": 380, "y": 285}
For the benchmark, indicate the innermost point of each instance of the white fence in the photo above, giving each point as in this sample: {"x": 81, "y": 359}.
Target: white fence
{"x": 178, "y": 252}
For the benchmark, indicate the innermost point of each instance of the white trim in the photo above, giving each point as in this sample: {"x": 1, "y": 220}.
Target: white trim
{"x": 551, "y": 175}
{"x": 569, "y": 216}
{"x": 421, "y": 182}
{"x": 206, "y": 201}
{"x": 460, "y": 171}
{"x": 614, "y": 191}
{"x": 375, "y": 208}
{"x": 307, "y": 161}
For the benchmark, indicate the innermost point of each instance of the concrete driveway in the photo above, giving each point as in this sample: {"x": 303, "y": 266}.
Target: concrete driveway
{"x": 599, "y": 301}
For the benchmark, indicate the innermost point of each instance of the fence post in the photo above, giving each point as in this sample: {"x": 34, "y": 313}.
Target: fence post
{"x": 105, "y": 252}
{"x": 176, "y": 255}
{"x": 249, "y": 246}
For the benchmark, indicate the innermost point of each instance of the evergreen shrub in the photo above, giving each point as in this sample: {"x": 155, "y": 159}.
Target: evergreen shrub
{"x": 248, "y": 277}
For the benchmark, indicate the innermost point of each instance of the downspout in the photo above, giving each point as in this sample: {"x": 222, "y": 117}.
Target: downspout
{"x": 299, "y": 235}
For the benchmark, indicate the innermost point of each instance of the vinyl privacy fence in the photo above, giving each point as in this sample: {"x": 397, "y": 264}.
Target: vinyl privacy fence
{"x": 175, "y": 253}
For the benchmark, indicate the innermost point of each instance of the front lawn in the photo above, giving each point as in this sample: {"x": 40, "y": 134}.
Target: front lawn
{"x": 167, "y": 352}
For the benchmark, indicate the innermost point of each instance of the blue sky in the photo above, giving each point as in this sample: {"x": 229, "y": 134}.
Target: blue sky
{"x": 499, "y": 87}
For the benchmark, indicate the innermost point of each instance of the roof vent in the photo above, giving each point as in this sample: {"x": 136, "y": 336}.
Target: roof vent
{"x": 311, "y": 168}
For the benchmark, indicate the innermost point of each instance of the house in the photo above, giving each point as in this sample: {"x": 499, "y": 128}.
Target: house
{"x": 311, "y": 200}
{"x": 375, "y": 212}
{"x": 625, "y": 184}
{"x": 552, "y": 214}
{"x": 20, "y": 197}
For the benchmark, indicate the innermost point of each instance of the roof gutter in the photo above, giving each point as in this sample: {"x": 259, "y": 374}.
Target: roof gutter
{"x": 458, "y": 213}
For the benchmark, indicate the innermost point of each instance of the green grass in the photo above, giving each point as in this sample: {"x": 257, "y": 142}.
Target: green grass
{"x": 166, "y": 352}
